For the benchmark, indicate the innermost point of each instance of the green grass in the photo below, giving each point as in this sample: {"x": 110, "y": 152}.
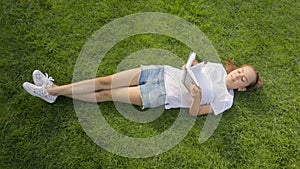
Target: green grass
{"x": 260, "y": 131}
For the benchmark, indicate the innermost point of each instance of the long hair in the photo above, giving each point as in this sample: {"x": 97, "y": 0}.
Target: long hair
{"x": 258, "y": 83}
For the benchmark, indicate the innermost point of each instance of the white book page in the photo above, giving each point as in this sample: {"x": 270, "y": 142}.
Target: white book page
{"x": 192, "y": 57}
{"x": 189, "y": 76}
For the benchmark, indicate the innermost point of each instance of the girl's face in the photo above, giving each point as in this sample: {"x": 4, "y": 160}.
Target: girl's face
{"x": 240, "y": 78}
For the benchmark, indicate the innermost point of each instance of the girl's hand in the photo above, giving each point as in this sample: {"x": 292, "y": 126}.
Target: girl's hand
{"x": 195, "y": 62}
{"x": 195, "y": 91}
{"x": 183, "y": 67}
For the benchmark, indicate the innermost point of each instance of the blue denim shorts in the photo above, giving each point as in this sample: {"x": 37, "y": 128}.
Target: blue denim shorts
{"x": 152, "y": 86}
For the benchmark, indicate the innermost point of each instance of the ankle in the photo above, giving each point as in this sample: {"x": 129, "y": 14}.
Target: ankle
{"x": 51, "y": 91}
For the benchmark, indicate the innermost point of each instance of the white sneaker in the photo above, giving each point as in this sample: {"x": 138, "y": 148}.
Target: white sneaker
{"x": 39, "y": 91}
{"x": 40, "y": 79}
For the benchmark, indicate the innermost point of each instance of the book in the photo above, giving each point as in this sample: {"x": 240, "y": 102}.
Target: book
{"x": 189, "y": 76}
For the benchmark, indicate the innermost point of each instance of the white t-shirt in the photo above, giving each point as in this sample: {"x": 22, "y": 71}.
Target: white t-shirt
{"x": 211, "y": 80}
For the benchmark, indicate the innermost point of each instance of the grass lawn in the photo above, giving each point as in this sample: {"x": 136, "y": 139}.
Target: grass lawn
{"x": 262, "y": 130}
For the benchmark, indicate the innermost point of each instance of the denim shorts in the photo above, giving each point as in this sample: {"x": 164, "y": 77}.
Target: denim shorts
{"x": 152, "y": 86}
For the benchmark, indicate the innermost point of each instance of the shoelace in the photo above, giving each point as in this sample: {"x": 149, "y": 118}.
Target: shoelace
{"x": 45, "y": 94}
{"x": 44, "y": 91}
{"x": 49, "y": 78}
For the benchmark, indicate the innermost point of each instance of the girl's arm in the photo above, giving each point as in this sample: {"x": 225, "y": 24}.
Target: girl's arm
{"x": 197, "y": 96}
{"x": 195, "y": 108}
{"x": 204, "y": 109}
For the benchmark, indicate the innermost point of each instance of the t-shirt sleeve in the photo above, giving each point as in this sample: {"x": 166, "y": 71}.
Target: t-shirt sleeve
{"x": 220, "y": 107}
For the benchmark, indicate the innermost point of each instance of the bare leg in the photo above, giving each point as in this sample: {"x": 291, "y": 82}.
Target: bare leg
{"x": 122, "y": 79}
{"x": 130, "y": 95}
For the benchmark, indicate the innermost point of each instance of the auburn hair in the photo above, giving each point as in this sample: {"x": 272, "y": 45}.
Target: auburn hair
{"x": 258, "y": 83}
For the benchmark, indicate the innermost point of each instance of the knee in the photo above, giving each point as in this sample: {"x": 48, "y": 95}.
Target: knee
{"x": 104, "y": 82}
{"x": 103, "y": 95}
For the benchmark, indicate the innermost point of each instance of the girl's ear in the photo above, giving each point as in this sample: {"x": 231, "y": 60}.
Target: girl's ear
{"x": 242, "y": 89}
